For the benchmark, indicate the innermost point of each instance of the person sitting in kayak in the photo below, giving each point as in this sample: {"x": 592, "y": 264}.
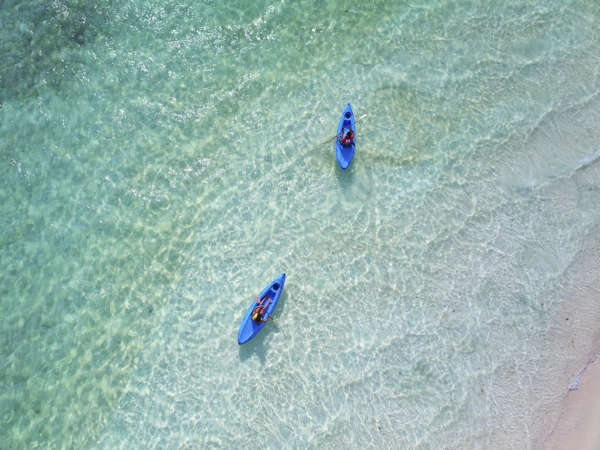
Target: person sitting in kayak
{"x": 347, "y": 138}
{"x": 259, "y": 310}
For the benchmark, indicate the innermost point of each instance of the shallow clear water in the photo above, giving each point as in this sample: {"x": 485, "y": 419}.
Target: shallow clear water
{"x": 162, "y": 162}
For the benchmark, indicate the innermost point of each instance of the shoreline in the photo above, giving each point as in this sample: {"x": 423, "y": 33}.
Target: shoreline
{"x": 577, "y": 425}
{"x": 568, "y": 410}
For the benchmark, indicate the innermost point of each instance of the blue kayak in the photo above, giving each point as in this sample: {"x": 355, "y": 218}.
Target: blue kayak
{"x": 249, "y": 328}
{"x": 343, "y": 153}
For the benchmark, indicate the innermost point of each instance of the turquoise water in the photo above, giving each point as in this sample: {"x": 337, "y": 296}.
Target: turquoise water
{"x": 163, "y": 161}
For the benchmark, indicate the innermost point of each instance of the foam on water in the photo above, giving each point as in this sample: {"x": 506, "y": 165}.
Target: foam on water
{"x": 163, "y": 162}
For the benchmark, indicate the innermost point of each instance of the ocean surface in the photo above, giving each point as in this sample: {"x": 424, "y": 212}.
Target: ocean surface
{"x": 162, "y": 161}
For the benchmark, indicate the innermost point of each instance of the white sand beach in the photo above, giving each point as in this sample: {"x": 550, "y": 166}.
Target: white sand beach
{"x": 578, "y": 424}
{"x": 570, "y": 418}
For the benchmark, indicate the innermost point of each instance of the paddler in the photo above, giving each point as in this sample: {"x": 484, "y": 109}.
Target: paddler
{"x": 347, "y": 138}
{"x": 259, "y": 310}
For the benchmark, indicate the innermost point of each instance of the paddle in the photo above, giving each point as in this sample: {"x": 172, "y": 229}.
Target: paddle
{"x": 332, "y": 138}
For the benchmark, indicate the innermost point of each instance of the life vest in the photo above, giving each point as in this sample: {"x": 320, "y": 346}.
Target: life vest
{"x": 348, "y": 138}
{"x": 259, "y": 310}
{"x": 344, "y": 138}
{"x": 256, "y": 315}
